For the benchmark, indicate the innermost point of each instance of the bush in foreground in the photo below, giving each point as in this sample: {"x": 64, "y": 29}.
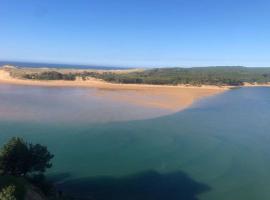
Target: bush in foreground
{"x": 18, "y": 158}
{"x": 8, "y": 193}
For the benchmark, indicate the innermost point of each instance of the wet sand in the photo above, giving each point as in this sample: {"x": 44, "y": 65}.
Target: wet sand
{"x": 173, "y": 98}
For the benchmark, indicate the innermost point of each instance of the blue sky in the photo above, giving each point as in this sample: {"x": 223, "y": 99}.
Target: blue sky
{"x": 136, "y": 32}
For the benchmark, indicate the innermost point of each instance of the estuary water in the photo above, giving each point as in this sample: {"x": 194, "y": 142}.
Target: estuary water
{"x": 219, "y": 148}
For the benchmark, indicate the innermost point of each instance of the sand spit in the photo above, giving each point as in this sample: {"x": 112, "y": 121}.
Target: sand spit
{"x": 173, "y": 98}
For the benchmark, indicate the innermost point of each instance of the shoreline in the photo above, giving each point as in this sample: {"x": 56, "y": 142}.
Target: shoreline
{"x": 172, "y": 98}
{"x": 96, "y": 83}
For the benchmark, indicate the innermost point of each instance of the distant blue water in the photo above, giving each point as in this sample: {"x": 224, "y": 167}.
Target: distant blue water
{"x": 51, "y": 65}
{"x": 223, "y": 142}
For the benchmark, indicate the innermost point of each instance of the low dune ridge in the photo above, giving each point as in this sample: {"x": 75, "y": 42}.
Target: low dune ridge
{"x": 173, "y": 98}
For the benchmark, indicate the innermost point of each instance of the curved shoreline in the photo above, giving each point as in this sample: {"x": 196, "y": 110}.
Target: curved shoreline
{"x": 173, "y": 98}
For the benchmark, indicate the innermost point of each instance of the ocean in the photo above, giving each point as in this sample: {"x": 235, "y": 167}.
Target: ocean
{"x": 60, "y": 65}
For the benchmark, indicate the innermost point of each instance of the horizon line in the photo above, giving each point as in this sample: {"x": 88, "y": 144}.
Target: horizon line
{"x": 12, "y": 62}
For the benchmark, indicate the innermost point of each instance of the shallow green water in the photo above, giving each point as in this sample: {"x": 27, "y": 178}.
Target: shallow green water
{"x": 222, "y": 142}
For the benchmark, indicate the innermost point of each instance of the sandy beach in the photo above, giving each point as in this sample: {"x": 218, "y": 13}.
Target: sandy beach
{"x": 173, "y": 98}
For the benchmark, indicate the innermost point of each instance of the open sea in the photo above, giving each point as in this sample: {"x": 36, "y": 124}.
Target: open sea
{"x": 59, "y": 65}
{"x": 218, "y": 149}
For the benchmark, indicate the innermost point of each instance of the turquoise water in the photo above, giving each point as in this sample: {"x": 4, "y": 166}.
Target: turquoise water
{"x": 221, "y": 142}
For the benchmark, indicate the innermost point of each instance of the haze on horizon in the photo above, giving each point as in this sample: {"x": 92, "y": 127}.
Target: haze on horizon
{"x": 136, "y": 33}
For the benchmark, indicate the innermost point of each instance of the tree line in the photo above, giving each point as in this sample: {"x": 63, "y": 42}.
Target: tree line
{"x": 219, "y": 76}
{"x": 50, "y": 75}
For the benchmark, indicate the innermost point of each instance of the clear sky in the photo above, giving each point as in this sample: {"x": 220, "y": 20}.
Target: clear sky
{"x": 136, "y": 32}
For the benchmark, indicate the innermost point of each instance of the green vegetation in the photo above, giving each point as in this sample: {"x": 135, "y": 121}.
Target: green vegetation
{"x": 22, "y": 165}
{"x": 219, "y": 76}
{"x": 50, "y": 75}
{"x": 18, "y": 158}
{"x": 8, "y": 193}
{"x": 232, "y": 76}
{"x": 19, "y": 184}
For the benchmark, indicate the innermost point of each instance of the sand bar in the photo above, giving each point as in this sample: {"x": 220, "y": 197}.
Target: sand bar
{"x": 173, "y": 98}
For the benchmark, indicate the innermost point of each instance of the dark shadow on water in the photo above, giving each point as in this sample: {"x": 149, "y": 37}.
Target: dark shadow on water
{"x": 149, "y": 185}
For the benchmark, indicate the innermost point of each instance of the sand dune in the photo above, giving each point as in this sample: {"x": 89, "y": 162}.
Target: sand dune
{"x": 173, "y": 98}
